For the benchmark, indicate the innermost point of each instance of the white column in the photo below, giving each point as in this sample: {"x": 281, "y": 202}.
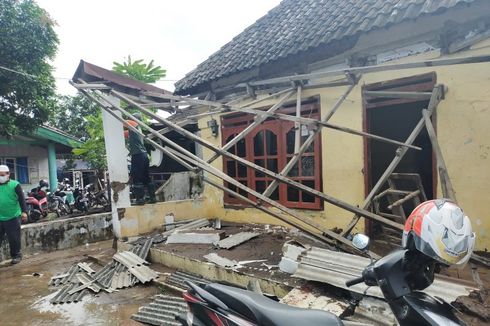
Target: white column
{"x": 117, "y": 165}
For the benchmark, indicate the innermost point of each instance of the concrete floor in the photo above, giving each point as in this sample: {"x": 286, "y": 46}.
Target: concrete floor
{"x": 24, "y": 298}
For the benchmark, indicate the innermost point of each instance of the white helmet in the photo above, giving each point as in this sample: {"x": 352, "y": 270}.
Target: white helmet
{"x": 440, "y": 230}
{"x": 4, "y": 168}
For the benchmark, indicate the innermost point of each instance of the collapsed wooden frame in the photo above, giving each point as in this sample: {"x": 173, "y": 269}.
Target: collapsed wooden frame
{"x": 103, "y": 94}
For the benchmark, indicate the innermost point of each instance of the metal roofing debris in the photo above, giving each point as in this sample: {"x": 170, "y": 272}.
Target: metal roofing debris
{"x": 161, "y": 237}
{"x": 129, "y": 259}
{"x": 64, "y": 278}
{"x": 136, "y": 266}
{"x": 294, "y": 26}
{"x": 86, "y": 267}
{"x": 336, "y": 268}
{"x": 236, "y": 239}
{"x": 196, "y": 236}
{"x": 178, "y": 280}
{"x": 115, "y": 275}
{"x": 121, "y": 280}
{"x": 162, "y": 311}
{"x": 220, "y": 261}
{"x": 87, "y": 282}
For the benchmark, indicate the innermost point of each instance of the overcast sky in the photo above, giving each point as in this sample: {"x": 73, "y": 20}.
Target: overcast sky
{"x": 177, "y": 34}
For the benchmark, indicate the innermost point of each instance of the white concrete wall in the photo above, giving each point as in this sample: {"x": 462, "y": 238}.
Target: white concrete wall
{"x": 37, "y": 161}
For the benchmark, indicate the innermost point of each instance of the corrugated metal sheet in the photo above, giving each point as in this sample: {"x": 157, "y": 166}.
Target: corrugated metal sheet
{"x": 121, "y": 280}
{"x": 66, "y": 277}
{"x": 162, "y": 311}
{"x": 220, "y": 261}
{"x": 136, "y": 266}
{"x": 336, "y": 268}
{"x": 178, "y": 280}
{"x": 236, "y": 239}
{"x": 86, "y": 267}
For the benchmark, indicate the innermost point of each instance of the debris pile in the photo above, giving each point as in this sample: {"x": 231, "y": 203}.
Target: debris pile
{"x": 335, "y": 268}
{"x": 126, "y": 269}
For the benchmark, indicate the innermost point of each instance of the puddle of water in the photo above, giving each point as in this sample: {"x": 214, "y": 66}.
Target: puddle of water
{"x": 24, "y": 299}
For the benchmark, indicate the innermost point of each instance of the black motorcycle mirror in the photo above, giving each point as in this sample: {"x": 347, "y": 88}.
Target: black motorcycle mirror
{"x": 361, "y": 242}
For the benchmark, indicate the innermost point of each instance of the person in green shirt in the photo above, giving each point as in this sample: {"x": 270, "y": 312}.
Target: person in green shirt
{"x": 12, "y": 210}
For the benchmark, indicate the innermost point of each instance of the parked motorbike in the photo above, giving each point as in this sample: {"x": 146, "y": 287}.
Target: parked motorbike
{"x": 81, "y": 198}
{"x": 97, "y": 199}
{"x": 58, "y": 201}
{"x": 37, "y": 202}
{"x": 429, "y": 241}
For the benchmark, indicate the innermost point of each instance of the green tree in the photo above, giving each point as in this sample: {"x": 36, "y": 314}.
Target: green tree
{"x": 93, "y": 149}
{"x": 145, "y": 72}
{"x": 71, "y": 112}
{"x": 27, "y": 86}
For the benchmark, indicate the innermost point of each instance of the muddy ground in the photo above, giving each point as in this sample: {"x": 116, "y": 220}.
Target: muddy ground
{"x": 24, "y": 298}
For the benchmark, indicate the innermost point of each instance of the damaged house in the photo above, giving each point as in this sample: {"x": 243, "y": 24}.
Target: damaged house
{"x": 366, "y": 107}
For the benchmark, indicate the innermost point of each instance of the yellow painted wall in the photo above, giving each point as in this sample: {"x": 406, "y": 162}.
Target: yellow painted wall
{"x": 463, "y": 122}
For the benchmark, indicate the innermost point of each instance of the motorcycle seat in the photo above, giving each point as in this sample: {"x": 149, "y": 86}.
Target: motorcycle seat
{"x": 265, "y": 311}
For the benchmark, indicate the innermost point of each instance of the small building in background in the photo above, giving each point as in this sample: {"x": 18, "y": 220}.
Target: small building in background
{"x": 32, "y": 158}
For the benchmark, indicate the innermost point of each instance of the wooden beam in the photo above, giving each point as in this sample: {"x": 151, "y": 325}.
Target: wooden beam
{"x": 297, "y": 125}
{"x": 316, "y": 123}
{"x": 437, "y": 95}
{"x": 369, "y": 69}
{"x": 311, "y": 138}
{"x": 446, "y": 185}
{"x": 258, "y": 120}
{"x": 407, "y": 95}
{"x": 254, "y": 166}
{"x": 404, "y": 199}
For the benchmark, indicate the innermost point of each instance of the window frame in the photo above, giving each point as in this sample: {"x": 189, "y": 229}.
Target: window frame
{"x": 233, "y": 124}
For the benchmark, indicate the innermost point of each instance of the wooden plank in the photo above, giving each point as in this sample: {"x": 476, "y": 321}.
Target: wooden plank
{"x": 273, "y": 175}
{"x": 311, "y": 138}
{"x": 404, "y": 199}
{"x": 369, "y": 69}
{"x": 446, "y": 185}
{"x": 309, "y": 121}
{"x": 437, "y": 95}
{"x": 297, "y": 125}
{"x": 405, "y": 95}
{"x": 183, "y": 156}
{"x": 258, "y": 120}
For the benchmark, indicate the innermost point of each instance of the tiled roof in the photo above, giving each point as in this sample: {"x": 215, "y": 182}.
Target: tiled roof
{"x": 298, "y": 25}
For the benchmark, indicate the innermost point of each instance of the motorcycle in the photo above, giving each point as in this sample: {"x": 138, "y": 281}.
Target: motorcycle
{"x": 401, "y": 275}
{"x": 58, "y": 201}
{"x": 37, "y": 203}
{"x": 97, "y": 199}
{"x": 81, "y": 198}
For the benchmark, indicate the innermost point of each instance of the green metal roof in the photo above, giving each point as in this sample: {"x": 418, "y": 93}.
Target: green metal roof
{"x": 57, "y": 136}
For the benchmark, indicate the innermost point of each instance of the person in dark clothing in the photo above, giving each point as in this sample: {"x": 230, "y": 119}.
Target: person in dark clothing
{"x": 12, "y": 210}
{"x": 140, "y": 166}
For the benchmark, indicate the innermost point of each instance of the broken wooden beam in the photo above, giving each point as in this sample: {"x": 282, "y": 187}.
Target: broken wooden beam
{"x": 437, "y": 95}
{"x": 405, "y": 95}
{"x": 446, "y": 185}
{"x": 404, "y": 199}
